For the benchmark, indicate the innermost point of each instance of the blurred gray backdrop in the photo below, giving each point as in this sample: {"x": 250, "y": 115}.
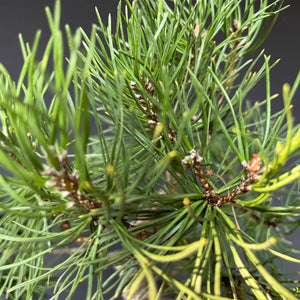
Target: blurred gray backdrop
{"x": 26, "y": 16}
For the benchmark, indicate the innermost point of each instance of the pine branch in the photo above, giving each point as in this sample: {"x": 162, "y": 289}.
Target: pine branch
{"x": 149, "y": 160}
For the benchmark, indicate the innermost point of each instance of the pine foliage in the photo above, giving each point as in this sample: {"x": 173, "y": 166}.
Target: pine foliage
{"x": 141, "y": 153}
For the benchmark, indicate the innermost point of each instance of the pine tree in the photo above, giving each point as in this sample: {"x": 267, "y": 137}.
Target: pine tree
{"x": 141, "y": 153}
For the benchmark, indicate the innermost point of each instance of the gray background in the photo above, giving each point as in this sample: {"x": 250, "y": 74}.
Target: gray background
{"x": 26, "y": 16}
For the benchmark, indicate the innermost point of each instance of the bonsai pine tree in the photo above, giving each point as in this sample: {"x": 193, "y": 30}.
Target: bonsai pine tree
{"x": 140, "y": 151}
